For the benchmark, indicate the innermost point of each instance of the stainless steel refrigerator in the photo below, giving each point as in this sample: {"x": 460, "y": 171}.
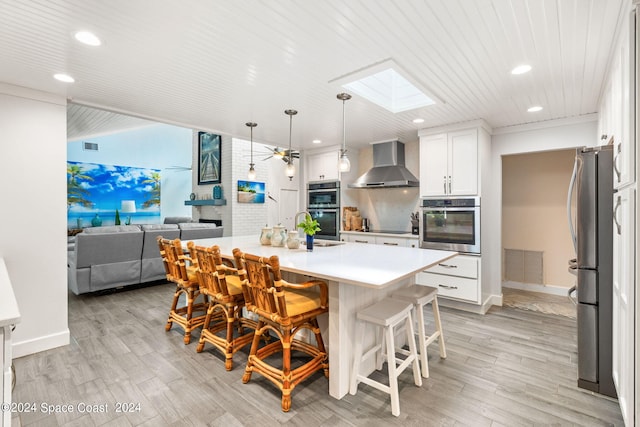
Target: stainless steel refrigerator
{"x": 592, "y": 234}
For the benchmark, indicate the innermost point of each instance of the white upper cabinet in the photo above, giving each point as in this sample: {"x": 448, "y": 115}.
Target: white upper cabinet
{"x": 616, "y": 110}
{"x": 321, "y": 166}
{"x": 449, "y": 164}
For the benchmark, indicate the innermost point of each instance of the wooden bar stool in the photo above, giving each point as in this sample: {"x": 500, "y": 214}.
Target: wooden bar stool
{"x": 384, "y": 316}
{"x": 420, "y": 296}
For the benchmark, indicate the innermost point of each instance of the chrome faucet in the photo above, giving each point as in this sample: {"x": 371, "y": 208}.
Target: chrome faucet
{"x": 295, "y": 218}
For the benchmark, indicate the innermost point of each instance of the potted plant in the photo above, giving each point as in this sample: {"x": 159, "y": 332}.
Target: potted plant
{"x": 310, "y": 227}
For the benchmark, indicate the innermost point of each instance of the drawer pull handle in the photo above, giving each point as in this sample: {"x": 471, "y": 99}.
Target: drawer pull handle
{"x": 447, "y": 265}
{"x": 362, "y": 241}
{"x": 448, "y": 287}
{"x": 390, "y": 244}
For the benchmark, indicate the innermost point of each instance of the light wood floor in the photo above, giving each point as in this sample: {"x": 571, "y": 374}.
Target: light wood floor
{"x": 510, "y": 367}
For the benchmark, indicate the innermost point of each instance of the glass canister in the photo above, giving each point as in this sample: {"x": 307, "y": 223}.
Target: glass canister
{"x": 293, "y": 242}
{"x": 279, "y": 236}
{"x": 265, "y": 236}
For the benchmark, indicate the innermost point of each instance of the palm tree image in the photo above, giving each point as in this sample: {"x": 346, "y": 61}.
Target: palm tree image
{"x": 75, "y": 193}
{"x": 209, "y": 160}
{"x": 154, "y": 194}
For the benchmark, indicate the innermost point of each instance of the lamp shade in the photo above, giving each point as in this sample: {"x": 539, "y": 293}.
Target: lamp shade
{"x": 128, "y": 206}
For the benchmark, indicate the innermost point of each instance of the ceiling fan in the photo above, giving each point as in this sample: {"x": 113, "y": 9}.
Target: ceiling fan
{"x": 277, "y": 152}
{"x": 283, "y": 154}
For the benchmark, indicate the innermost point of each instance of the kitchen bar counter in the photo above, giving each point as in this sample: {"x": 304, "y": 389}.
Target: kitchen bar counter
{"x": 358, "y": 275}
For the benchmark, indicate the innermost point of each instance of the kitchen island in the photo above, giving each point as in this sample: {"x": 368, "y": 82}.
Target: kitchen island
{"x": 357, "y": 274}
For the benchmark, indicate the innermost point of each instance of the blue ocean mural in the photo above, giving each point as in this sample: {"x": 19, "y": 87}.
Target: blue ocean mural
{"x": 95, "y": 191}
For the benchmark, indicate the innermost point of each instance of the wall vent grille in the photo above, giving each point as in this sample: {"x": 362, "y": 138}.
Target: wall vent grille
{"x": 523, "y": 266}
{"x": 89, "y": 146}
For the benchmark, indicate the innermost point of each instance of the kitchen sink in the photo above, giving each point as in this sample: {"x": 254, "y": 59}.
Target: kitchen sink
{"x": 323, "y": 243}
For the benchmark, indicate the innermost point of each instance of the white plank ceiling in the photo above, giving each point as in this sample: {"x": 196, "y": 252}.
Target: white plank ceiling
{"x": 216, "y": 64}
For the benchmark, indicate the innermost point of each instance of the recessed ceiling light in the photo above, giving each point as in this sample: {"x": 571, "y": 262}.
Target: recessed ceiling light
{"x": 387, "y": 85}
{"x": 521, "y": 69}
{"x": 64, "y": 78}
{"x": 316, "y": 141}
{"x": 87, "y": 38}
{"x": 534, "y": 109}
{"x": 418, "y": 120}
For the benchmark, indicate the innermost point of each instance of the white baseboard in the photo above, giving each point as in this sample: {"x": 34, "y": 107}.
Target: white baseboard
{"x": 36, "y": 345}
{"x": 544, "y": 289}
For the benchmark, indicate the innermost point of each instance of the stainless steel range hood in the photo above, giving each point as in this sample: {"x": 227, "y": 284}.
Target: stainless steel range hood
{"x": 388, "y": 169}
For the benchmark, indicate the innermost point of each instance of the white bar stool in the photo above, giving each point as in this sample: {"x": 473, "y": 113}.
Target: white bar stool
{"x": 384, "y": 316}
{"x": 420, "y": 296}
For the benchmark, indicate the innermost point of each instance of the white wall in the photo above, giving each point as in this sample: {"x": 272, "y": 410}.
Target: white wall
{"x": 240, "y": 219}
{"x": 33, "y": 153}
{"x": 546, "y": 136}
{"x": 159, "y": 146}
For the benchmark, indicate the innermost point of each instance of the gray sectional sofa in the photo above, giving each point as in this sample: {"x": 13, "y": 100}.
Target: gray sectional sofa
{"x": 116, "y": 256}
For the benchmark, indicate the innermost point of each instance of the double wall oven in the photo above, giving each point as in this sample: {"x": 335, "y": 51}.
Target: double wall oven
{"x": 323, "y": 203}
{"x": 451, "y": 224}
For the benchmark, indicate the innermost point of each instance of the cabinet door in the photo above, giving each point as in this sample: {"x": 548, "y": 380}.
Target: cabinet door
{"x": 358, "y": 238}
{"x": 392, "y": 241}
{"x": 433, "y": 165}
{"x": 623, "y": 109}
{"x": 623, "y": 300}
{"x": 463, "y": 163}
{"x": 322, "y": 166}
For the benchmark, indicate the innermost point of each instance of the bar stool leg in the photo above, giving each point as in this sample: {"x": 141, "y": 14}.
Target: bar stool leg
{"x": 436, "y": 315}
{"x": 417, "y": 379}
{"x": 392, "y": 368}
{"x": 424, "y": 360}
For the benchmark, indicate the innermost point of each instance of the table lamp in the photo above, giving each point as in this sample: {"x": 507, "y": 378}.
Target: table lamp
{"x": 128, "y": 207}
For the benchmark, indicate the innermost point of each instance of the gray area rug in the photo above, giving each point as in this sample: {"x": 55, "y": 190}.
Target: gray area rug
{"x": 536, "y": 301}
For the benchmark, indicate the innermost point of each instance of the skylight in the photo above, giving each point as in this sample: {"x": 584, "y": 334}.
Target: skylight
{"x": 388, "y": 86}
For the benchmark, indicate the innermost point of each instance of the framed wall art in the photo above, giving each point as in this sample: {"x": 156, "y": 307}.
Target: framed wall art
{"x": 250, "y": 192}
{"x": 209, "y": 156}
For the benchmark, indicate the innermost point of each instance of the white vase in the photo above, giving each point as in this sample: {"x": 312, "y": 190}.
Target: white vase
{"x": 279, "y": 236}
{"x": 293, "y": 242}
{"x": 265, "y": 236}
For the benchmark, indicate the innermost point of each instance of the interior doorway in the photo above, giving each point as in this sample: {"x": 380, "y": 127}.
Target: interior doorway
{"x": 536, "y": 243}
{"x": 288, "y": 206}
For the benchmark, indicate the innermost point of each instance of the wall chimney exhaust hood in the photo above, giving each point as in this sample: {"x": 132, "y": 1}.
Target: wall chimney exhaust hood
{"x": 388, "y": 169}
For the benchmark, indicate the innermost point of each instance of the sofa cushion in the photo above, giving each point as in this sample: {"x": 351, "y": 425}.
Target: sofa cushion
{"x": 197, "y": 230}
{"x": 107, "y": 248}
{"x": 177, "y": 219}
{"x": 192, "y": 225}
{"x": 111, "y": 229}
{"x": 151, "y": 227}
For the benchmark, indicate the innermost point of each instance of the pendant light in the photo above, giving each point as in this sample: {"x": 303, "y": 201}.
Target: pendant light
{"x": 344, "y": 164}
{"x": 252, "y": 172}
{"x": 291, "y": 169}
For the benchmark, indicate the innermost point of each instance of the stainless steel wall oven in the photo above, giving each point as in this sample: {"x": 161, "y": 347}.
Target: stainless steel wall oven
{"x": 451, "y": 224}
{"x": 323, "y": 194}
{"x": 323, "y": 203}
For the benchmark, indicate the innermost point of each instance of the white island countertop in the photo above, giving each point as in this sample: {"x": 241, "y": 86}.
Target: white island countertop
{"x": 358, "y": 264}
{"x": 358, "y": 275}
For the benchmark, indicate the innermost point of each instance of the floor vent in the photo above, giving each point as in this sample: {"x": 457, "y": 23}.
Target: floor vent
{"x": 523, "y": 266}
{"x": 90, "y": 146}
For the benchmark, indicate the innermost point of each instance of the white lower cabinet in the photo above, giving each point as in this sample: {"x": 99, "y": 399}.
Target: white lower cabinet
{"x": 623, "y": 300}
{"x": 457, "y": 278}
{"x": 361, "y": 237}
{"x": 358, "y": 238}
